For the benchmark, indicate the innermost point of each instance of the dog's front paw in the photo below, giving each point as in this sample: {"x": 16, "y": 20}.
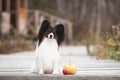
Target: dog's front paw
{"x": 41, "y": 72}
{"x": 34, "y": 71}
{"x": 55, "y": 72}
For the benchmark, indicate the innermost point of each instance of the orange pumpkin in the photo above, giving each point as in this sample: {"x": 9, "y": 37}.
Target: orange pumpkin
{"x": 70, "y": 68}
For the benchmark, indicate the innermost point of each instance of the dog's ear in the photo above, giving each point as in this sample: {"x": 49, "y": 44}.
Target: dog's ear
{"x": 60, "y": 33}
{"x": 45, "y": 25}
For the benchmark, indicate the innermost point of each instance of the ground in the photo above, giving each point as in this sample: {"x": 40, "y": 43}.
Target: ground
{"x": 17, "y": 66}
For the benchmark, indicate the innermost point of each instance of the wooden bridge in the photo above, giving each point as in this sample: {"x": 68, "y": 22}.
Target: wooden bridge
{"x": 39, "y": 16}
{"x": 15, "y": 14}
{"x": 31, "y": 20}
{"x": 17, "y": 66}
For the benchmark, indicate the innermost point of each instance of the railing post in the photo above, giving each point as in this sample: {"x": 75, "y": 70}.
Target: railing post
{"x": 51, "y": 20}
{"x": 41, "y": 19}
{"x": 36, "y": 14}
{"x": 70, "y": 33}
{"x": 0, "y": 14}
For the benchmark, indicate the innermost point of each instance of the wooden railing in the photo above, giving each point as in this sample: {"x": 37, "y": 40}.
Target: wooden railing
{"x": 34, "y": 19}
{"x": 41, "y": 15}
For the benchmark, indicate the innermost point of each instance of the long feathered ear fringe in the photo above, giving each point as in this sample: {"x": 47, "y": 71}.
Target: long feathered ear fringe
{"x": 60, "y": 33}
{"x": 45, "y": 25}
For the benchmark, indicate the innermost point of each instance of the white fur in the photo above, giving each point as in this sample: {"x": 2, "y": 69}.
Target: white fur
{"x": 47, "y": 57}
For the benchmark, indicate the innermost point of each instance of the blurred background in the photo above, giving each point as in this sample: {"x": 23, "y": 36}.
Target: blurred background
{"x": 87, "y": 22}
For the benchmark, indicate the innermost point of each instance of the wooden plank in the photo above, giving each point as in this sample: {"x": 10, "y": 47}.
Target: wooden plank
{"x": 58, "y": 77}
{"x": 7, "y": 5}
{"x": 86, "y": 65}
{"x": 0, "y": 6}
{"x": 17, "y": 9}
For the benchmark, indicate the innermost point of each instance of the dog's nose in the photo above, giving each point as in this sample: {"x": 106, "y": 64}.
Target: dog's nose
{"x": 50, "y": 36}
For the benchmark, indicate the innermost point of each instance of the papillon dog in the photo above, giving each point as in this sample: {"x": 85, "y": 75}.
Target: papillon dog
{"x": 47, "y": 56}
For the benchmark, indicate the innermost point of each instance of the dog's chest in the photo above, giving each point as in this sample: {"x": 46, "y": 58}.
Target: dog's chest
{"x": 48, "y": 53}
{"x": 48, "y": 48}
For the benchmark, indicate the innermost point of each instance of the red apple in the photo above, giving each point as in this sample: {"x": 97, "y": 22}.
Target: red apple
{"x": 65, "y": 72}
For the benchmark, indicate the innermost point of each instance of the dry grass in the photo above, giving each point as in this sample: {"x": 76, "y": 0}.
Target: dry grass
{"x": 11, "y": 44}
{"x": 109, "y": 46}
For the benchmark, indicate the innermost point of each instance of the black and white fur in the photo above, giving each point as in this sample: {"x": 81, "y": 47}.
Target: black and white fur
{"x": 47, "y": 56}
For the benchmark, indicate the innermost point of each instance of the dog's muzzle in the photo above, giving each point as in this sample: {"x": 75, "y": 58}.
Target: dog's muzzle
{"x": 51, "y": 36}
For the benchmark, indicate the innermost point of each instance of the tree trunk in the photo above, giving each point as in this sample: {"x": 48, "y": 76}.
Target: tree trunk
{"x": 99, "y": 20}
